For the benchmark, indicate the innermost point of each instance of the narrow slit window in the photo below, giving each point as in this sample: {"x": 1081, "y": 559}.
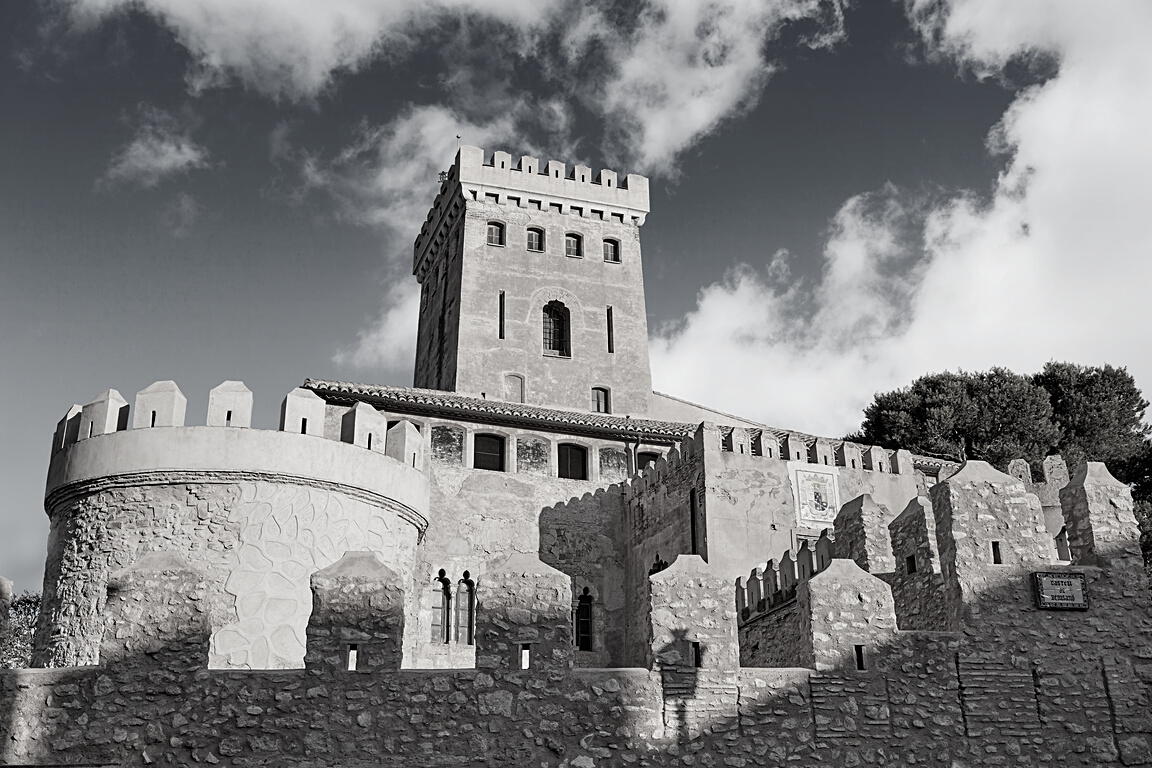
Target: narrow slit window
{"x": 466, "y": 610}
{"x": 910, "y": 563}
{"x": 228, "y": 419}
{"x": 692, "y": 513}
{"x": 860, "y": 660}
{"x": 353, "y": 652}
{"x": 153, "y": 419}
{"x": 996, "y": 558}
{"x": 611, "y": 337}
{"x": 584, "y": 622}
{"x": 525, "y": 655}
{"x": 697, "y": 654}
{"x": 369, "y": 441}
{"x": 501, "y": 314}
{"x": 303, "y": 426}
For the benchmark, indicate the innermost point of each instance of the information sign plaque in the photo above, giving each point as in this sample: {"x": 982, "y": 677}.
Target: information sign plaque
{"x": 1061, "y": 591}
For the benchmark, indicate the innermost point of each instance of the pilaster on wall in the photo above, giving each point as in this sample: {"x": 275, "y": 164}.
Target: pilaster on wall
{"x": 357, "y": 621}
{"x": 524, "y": 616}
{"x": 159, "y": 614}
{"x": 991, "y": 535}
{"x": 1098, "y": 513}
{"x": 862, "y": 534}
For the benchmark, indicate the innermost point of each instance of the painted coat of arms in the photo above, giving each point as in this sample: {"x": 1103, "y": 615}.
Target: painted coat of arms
{"x": 817, "y": 499}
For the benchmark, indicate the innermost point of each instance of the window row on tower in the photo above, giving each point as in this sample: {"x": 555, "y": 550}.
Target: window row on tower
{"x": 537, "y": 241}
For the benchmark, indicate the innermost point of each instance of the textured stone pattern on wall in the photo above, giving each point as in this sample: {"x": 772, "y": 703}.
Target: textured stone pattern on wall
{"x": 258, "y": 541}
{"x": 773, "y": 639}
{"x": 613, "y": 465}
{"x": 448, "y": 445}
{"x": 357, "y": 601}
{"x": 862, "y": 534}
{"x": 844, "y": 611}
{"x": 919, "y": 593}
{"x": 524, "y": 604}
{"x": 532, "y": 456}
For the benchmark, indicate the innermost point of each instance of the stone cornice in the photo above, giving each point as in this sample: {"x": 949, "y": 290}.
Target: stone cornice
{"x": 66, "y": 494}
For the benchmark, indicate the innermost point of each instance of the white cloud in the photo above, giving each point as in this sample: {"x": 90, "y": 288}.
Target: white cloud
{"x": 389, "y": 341}
{"x": 686, "y": 67}
{"x": 161, "y": 148}
{"x": 1054, "y": 266}
{"x": 181, "y": 214}
{"x": 292, "y": 48}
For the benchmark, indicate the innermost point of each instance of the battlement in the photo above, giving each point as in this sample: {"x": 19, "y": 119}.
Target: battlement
{"x": 529, "y": 184}
{"x": 775, "y": 583}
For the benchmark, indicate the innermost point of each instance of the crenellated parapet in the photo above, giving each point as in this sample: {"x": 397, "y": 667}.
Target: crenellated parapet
{"x": 527, "y": 182}
{"x": 776, "y": 583}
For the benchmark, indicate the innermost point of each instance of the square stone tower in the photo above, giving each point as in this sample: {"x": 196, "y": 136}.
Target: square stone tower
{"x": 532, "y": 288}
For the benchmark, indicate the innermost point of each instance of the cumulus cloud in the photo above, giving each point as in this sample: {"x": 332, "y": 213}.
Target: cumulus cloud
{"x": 293, "y": 48}
{"x": 161, "y": 148}
{"x": 1054, "y": 265}
{"x": 388, "y": 342}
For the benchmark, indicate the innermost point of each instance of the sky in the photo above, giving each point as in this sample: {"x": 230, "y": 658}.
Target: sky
{"x": 845, "y": 195}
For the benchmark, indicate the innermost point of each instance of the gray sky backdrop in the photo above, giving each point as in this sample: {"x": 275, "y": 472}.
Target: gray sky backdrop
{"x": 845, "y": 195}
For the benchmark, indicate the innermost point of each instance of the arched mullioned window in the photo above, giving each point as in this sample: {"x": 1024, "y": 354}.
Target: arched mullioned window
{"x": 556, "y": 330}
{"x": 495, "y": 233}
{"x": 535, "y": 239}
{"x": 466, "y": 610}
{"x": 584, "y": 622}
{"x": 441, "y": 608}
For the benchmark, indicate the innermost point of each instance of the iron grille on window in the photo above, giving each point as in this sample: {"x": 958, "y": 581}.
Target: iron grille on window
{"x": 555, "y": 329}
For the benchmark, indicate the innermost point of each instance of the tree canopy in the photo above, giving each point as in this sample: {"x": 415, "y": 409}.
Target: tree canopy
{"x": 1081, "y": 412}
{"x": 16, "y": 634}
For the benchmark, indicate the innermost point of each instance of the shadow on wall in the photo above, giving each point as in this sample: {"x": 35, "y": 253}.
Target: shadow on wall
{"x": 1013, "y": 685}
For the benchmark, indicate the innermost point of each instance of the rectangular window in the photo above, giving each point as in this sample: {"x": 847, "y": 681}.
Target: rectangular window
{"x": 611, "y": 340}
{"x": 501, "y": 314}
{"x": 611, "y": 251}
{"x": 996, "y": 559}
{"x": 600, "y": 400}
{"x": 153, "y": 419}
{"x": 303, "y": 426}
{"x": 860, "y": 665}
{"x": 352, "y": 654}
{"x": 535, "y": 239}
{"x": 697, "y": 655}
{"x": 525, "y": 655}
{"x": 573, "y": 246}
{"x": 910, "y": 563}
{"x": 228, "y": 419}
{"x": 488, "y": 452}
{"x": 572, "y": 461}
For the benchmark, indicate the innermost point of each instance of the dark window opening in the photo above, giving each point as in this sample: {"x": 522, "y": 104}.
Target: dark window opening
{"x": 644, "y": 459}
{"x": 996, "y": 559}
{"x": 600, "y": 401}
{"x": 466, "y": 610}
{"x": 153, "y": 419}
{"x": 1063, "y": 551}
{"x": 488, "y": 452}
{"x": 696, "y": 655}
{"x": 501, "y": 314}
{"x": 495, "y": 233}
{"x": 525, "y": 655}
{"x": 860, "y": 665}
{"x": 612, "y": 251}
{"x": 692, "y": 513}
{"x": 303, "y": 426}
{"x": 556, "y": 337}
{"x": 910, "y": 563}
{"x": 611, "y": 340}
{"x": 572, "y": 461}
{"x": 536, "y": 238}
{"x": 441, "y": 608}
{"x": 353, "y": 650}
{"x": 369, "y": 441}
{"x": 228, "y": 419}
{"x": 584, "y": 622}
{"x": 573, "y": 246}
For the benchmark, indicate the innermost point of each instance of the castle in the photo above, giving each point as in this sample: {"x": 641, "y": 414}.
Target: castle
{"x": 531, "y": 558}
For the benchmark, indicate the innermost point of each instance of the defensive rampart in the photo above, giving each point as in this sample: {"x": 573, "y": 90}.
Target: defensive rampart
{"x": 258, "y": 510}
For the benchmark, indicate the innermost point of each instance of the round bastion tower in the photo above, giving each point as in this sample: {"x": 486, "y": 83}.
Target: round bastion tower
{"x": 260, "y": 511}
